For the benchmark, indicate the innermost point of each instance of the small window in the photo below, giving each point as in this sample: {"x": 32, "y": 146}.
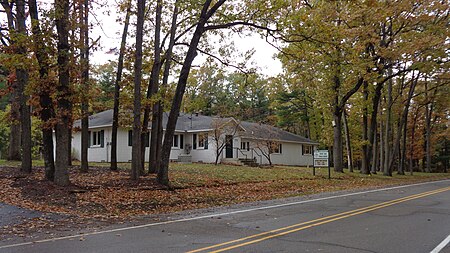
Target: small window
{"x": 175, "y": 141}
{"x": 96, "y": 138}
{"x": 203, "y": 140}
{"x": 276, "y": 148}
{"x": 194, "y": 141}
{"x": 147, "y": 139}
{"x": 245, "y": 145}
{"x": 130, "y": 138}
{"x": 307, "y": 149}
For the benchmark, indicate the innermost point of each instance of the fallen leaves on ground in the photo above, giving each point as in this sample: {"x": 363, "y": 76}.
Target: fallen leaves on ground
{"x": 102, "y": 194}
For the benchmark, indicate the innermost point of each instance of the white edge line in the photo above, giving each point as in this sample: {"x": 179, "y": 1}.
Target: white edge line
{"x": 441, "y": 245}
{"x": 221, "y": 214}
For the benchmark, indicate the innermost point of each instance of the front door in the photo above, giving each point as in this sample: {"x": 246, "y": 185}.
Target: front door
{"x": 229, "y": 146}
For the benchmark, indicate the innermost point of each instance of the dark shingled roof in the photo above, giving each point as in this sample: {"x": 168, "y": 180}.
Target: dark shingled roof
{"x": 263, "y": 131}
{"x": 196, "y": 122}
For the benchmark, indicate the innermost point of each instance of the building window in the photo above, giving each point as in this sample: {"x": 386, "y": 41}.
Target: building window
{"x": 307, "y": 150}
{"x": 97, "y": 138}
{"x": 130, "y": 138}
{"x": 175, "y": 141}
{"x": 203, "y": 140}
{"x": 277, "y": 148}
{"x": 194, "y": 141}
{"x": 245, "y": 145}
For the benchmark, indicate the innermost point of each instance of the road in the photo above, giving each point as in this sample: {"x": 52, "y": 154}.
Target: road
{"x": 414, "y": 218}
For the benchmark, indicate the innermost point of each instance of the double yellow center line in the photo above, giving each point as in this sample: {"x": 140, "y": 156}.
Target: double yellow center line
{"x": 309, "y": 224}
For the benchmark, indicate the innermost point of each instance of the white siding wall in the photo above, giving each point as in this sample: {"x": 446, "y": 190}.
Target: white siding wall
{"x": 200, "y": 154}
{"x": 291, "y": 155}
{"x": 103, "y": 154}
{"x": 291, "y": 152}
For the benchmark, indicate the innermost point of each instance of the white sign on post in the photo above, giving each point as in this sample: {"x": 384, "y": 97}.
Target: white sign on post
{"x": 321, "y": 158}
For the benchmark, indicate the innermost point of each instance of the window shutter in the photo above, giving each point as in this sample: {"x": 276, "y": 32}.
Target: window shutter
{"x": 130, "y": 138}
{"x": 303, "y": 149}
{"x": 248, "y": 146}
{"x": 281, "y": 148}
{"x": 194, "y": 141}
{"x": 206, "y": 142}
{"x": 102, "y": 138}
{"x": 181, "y": 140}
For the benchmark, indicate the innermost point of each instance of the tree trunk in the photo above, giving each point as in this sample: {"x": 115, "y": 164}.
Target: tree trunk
{"x": 428, "y": 117}
{"x": 402, "y": 166}
{"x": 136, "y": 165}
{"x": 69, "y": 142}
{"x": 15, "y": 127}
{"x": 308, "y": 127}
{"x": 347, "y": 143}
{"x": 428, "y": 112}
{"x": 365, "y": 155}
{"x": 63, "y": 102}
{"x": 163, "y": 172}
{"x": 387, "y": 144}
{"x": 84, "y": 37}
{"x": 153, "y": 88}
{"x": 381, "y": 149}
{"x": 115, "y": 123}
{"x": 403, "y": 121}
{"x": 412, "y": 140}
{"x": 167, "y": 63}
{"x": 337, "y": 143}
{"x": 44, "y": 93}
{"x": 373, "y": 124}
{"x": 22, "y": 81}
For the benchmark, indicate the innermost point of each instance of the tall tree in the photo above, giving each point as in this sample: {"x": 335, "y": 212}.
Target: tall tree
{"x": 63, "y": 106}
{"x": 22, "y": 81}
{"x": 206, "y": 13}
{"x": 15, "y": 127}
{"x": 117, "y": 81}
{"x": 136, "y": 154}
{"x": 45, "y": 89}
{"x": 153, "y": 88}
{"x": 348, "y": 143}
{"x": 84, "y": 59}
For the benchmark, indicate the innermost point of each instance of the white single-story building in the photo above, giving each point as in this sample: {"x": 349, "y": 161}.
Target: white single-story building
{"x": 197, "y": 139}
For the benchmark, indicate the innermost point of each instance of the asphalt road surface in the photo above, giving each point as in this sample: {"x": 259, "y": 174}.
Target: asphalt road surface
{"x": 414, "y": 218}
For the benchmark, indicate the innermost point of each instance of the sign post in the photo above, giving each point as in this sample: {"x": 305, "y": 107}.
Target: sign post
{"x": 314, "y": 167}
{"x": 329, "y": 170}
{"x": 320, "y": 158}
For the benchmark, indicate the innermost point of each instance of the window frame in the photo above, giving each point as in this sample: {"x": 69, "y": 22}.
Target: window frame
{"x": 176, "y": 141}
{"x": 307, "y": 147}
{"x": 96, "y": 139}
{"x": 202, "y": 140}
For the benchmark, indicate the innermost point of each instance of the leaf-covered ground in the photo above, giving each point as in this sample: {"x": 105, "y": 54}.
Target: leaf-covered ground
{"x": 105, "y": 195}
